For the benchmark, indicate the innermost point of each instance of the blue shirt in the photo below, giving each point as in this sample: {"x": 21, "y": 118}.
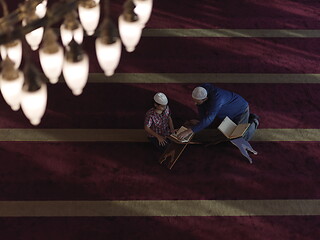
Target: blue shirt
{"x": 220, "y": 103}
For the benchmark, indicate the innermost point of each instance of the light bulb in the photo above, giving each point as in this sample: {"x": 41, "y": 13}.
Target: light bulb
{"x": 11, "y": 90}
{"x": 41, "y": 9}
{"x": 76, "y": 74}
{"x": 34, "y": 103}
{"x": 68, "y": 34}
{"x": 11, "y": 81}
{"x": 14, "y": 52}
{"x": 34, "y": 37}
{"x": 143, "y": 10}
{"x": 89, "y": 16}
{"x": 51, "y": 64}
{"x": 108, "y": 55}
{"x": 130, "y": 33}
{"x": 75, "y": 67}
{"x": 34, "y": 94}
{"x": 51, "y": 56}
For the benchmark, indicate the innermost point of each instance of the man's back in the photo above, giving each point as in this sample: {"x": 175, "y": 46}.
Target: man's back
{"x": 222, "y": 103}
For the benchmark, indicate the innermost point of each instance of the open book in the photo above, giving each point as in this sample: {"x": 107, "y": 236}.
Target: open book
{"x": 232, "y": 130}
{"x": 184, "y": 140}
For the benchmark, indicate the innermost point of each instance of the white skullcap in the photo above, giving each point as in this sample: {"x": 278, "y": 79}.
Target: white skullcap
{"x": 199, "y": 93}
{"x": 160, "y": 98}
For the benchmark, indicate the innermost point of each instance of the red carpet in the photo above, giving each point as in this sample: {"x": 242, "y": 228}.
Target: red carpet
{"x": 254, "y": 14}
{"x": 215, "y": 55}
{"x": 231, "y": 14}
{"x": 115, "y": 171}
{"x": 219, "y": 55}
{"x": 171, "y": 228}
{"x": 118, "y": 105}
{"x": 90, "y": 171}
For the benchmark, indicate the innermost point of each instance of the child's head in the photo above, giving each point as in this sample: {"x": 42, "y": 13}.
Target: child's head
{"x": 160, "y": 101}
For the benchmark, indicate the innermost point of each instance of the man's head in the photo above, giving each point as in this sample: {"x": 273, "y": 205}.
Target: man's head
{"x": 160, "y": 100}
{"x": 199, "y": 95}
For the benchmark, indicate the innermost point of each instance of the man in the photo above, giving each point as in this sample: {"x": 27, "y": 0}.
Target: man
{"x": 213, "y": 102}
{"x": 158, "y": 122}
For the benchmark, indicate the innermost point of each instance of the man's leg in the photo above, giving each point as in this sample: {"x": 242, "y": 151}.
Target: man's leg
{"x": 244, "y": 146}
{"x": 254, "y": 123}
{"x": 246, "y": 117}
{"x": 243, "y": 117}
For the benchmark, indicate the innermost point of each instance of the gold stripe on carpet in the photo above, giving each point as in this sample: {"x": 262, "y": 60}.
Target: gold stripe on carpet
{"x": 244, "y": 33}
{"x": 159, "y": 208}
{"x": 138, "y": 135}
{"x": 203, "y": 78}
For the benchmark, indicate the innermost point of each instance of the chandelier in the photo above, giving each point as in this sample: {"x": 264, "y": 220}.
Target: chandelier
{"x": 59, "y": 49}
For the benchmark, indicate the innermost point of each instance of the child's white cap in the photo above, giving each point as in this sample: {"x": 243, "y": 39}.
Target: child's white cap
{"x": 160, "y": 98}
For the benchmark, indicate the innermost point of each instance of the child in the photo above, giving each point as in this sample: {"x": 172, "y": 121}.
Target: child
{"x": 158, "y": 122}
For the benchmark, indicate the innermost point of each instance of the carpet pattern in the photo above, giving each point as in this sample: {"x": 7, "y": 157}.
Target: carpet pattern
{"x": 117, "y": 105}
{"x": 190, "y": 228}
{"x": 104, "y": 171}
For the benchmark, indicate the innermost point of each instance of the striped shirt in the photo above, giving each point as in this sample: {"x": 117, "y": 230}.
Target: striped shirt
{"x": 159, "y": 123}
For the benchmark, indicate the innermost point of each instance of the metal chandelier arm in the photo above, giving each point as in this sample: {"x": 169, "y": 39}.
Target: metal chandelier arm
{"x": 11, "y": 29}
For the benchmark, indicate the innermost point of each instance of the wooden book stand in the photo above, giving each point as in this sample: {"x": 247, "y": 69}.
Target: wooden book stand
{"x": 173, "y": 152}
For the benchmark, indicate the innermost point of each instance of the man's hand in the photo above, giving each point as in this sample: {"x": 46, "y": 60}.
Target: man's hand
{"x": 194, "y": 121}
{"x": 184, "y": 134}
{"x": 162, "y": 141}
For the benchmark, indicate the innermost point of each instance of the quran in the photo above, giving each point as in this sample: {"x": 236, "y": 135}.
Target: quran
{"x": 184, "y": 140}
{"x": 232, "y": 130}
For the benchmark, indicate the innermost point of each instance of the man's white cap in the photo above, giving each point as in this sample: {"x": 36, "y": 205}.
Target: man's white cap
{"x": 199, "y": 93}
{"x": 160, "y": 98}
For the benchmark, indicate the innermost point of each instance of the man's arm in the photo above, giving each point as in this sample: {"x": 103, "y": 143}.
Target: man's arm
{"x": 204, "y": 122}
{"x": 210, "y": 115}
